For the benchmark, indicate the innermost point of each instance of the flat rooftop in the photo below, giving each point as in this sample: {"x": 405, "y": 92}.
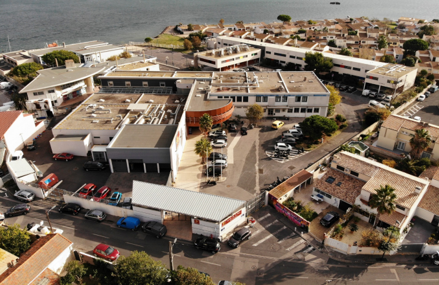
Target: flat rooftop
{"x": 199, "y": 100}
{"x": 135, "y": 65}
{"x": 18, "y": 55}
{"x": 145, "y": 136}
{"x": 71, "y": 47}
{"x": 392, "y": 70}
{"x": 228, "y": 52}
{"x": 166, "y": 74}
{"x": 69, "y": 138}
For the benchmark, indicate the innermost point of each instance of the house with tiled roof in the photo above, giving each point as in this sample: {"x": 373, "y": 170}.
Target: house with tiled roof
{"x": 41, "y": 264}
{"x": 353, "y": 180}
{"x": 396, "y": 132}
{"x": 287, "y": 188}
{"x": 428, "y": 209}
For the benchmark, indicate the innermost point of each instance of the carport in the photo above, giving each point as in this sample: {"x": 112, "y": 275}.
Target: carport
{"x": 187, "y": 212}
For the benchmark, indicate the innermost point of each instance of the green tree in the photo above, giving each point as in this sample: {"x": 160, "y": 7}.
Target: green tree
{"x": 409, "y": 61}
{"x": 61, "y": 56}
{"x": 148, "y": 40}
{"x": 423, "y": 72}
{"x": 411, "y": 166}
{"x": 383, "y": 201}
{"x": 311, "y": 22}
{"x": 301, "y": 31}
{"x": 435, "y": 20}
{"x": 430, "y": 77}
{"x": 190, "y": 27}
{"x": 388, "y": 58}
{"x": 27, "y": 69}
{"x": 346, "y": 147}
{"x": 419, "y": 143}
{"x": 345, "y": 51}
{"x": 334, "y": 95}
{"x": 284, "y": 18}
{"x": 203, "y": 148}
{"x": 325, "y": 29}
{"x": 373, "y": 115}
{"x": 75, "y": 271}
{"x": 413, "y": 45}
{"x": 254, "y": 113}
{"x": 187, "y": 44}
{"x": 206, "y": 123}
{"x": 352, "y": 33}
{"x": 382, "y": 42}
{"x": 317, "y": 62}
{"x": 14, "y": 239}
{"x": 191, "y": 276}
{"x": 332, "y": 43}
{"x": 316, "y": 126}
{"x": 196, "y": 42}
{"x": 198, "y": 34}
{"x": 428, "y": 30}
{"x": 140, "y": 269}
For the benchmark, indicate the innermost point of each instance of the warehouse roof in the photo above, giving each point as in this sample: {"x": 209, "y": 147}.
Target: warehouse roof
{"x": 144, "y": 136}
{"x": 195, "y": 204}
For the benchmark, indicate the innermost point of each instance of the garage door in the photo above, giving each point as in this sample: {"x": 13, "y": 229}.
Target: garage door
{"x": 119, "y": 165}
{"x": 344, "y": 206}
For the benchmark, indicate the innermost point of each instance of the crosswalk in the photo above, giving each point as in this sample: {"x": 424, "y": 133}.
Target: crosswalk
{"x": 413, "y": 110}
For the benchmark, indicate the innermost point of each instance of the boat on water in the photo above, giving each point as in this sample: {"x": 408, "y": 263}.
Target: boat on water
{"x": 334, "y": 3}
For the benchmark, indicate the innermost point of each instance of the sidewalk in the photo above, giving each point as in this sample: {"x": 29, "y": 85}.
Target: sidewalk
{"x": 375, "y": 259}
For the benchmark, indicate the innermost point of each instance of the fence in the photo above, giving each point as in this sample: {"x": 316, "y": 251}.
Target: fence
{"x": 151, "y": 44}
{"x": 256, "y": 203}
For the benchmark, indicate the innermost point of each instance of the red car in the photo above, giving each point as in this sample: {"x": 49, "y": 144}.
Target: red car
{"x": 103, "y": 192}
{"x": 106, "y": 252}
{"x": 63, "y": 156}
{"x": 87, "y": 190}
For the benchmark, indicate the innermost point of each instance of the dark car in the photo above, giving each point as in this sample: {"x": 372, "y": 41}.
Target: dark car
{"x": 329, "y": 219}
{"x": 218, "y": 170}
{"x": 240, "y": 236}
{"x": 351, "y": 89}
{"x": 233, "y": 128}
{"x": 93, "y": 165}
{"x": 154, "y": 228}
{"x": 19, "y": 209}
{"x": 63, "y": 156}
{"x": 208, "y": 244}
{"x": 243, "y": 131}
{"x": 337, "y": 85}
{"x": 343, "y": 88}
{"x": 288, "y": 141}
{"x": 427, "y": 94}
{"x": 126, "y": 203}
{"x": 217, "y": 155}
{"x": 74, "y": 209}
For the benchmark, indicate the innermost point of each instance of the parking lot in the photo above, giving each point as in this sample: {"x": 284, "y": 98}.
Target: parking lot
{"x": 428, "y": 109}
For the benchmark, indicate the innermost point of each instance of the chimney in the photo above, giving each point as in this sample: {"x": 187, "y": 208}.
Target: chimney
{"x": 418, "y": 189}
{"x": 70, "y": 63}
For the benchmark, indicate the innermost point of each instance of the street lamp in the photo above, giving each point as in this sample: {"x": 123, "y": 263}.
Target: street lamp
{"x": 167, "y": 59}
{"x": 48, "y": 219}
{"x": 171, "y": 254}
{"x": 388, "y": 241}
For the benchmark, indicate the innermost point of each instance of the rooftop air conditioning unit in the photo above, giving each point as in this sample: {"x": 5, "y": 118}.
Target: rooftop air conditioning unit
{"x": 101, "y": 107}
{"x": 93, "y": 115}
{"x": 127, "y": 101}
{"x": 101, "y": 100}
{"x": 418, "y": 189}
{"x": 95, "y": 121}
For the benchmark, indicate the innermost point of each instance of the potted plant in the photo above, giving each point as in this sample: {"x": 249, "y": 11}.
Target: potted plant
{"x": 356, "y": 219}
{"x": 353, "y": 228}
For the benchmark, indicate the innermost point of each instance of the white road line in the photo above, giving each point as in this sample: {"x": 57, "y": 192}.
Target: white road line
{"x": 264, "y": 217}
{"x": 302, "y": 277}
{"x": 296, "y": 244}
{"x": 134, "y": 244}
{"x": 67, "y": 227}
{"x": 386, "y": 280}
{"x": 258, "y": 231}
{"x": 100, "y": 236}
{"x": 269, "y": 236}
{"x": 428, "y": 279}
{"x": 210, "y": 263}
{"x": 287, "y": 237}
{"x": 394, "y": 272}
{"x": 230, "y": 158}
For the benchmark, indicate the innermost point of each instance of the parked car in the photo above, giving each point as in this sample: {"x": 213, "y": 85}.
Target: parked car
{"x": 19, "y": 209}
{"x": 208, "y": 244}
{"x": 282, "y": 146}
{"x": 72, "y": 208}
{"x": 217, "y": 133}
{"x": 233, "y": 128}
{"x": 219, "y": 143}
{"x": 288, "y": 141}
{"x": 343, "y": 88}
{"x": 126, "y": 203}
{"x": 93, "y": 165}
{"x": 239, "y": 237}
{"x": 351, "y": 89}
{"x": 329, "y": 219}
{"x": 220, "y": 138}
{"x": 421, "y": 98}
{"x": 106, "y": 252}
{"x": 381, "y": 96}
{"x": 63, "y": 156}
{"x": 427, "y": 94}
{"x": 217, "y": 155}
{"x": 219, "y": 162}
{"x": 298, "y": 127}
{"x": 372, "y": 94}
{"x": 388, "y": 98}
{"x": 87, "y": 190}
{"x": 243, "y": 131}
{"x": 295, "y": 132}
{"x": 103, "y": 192}
{"x": 97, "y": 215}
{"x": 115, "y": 198}
{"x": 155, "y": 228}
{"x": 218, "y": 169}
{"x": 337, "y": 85}
{"x": 130, "y": 223}
{"x": 25, "y": 196}
{"x": 287, "y": 135}
{"x": 30, "y": 146}
{"x": 277, "y": 125}
{"x": 17, "y": 155}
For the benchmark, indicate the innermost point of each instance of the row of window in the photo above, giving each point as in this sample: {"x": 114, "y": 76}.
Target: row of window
{"x": 235, "y": 99}
{"x": 128, "y": 84}
{"x": 42, "y": 93}
{"x": 323, "y": 193}
{"x": 353, "y": 173}
{"x": 65, "y": 86}
{"x": 342, "y": 66}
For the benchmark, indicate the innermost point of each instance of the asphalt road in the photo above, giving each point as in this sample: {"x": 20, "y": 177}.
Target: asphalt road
{"x": 428, "y": 110}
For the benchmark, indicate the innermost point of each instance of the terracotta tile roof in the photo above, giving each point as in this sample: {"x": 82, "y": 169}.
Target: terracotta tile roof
{"x": 395, "y": 122}
{"x": 348, "y": 190}
{"x": 290, "y": 183}
{"x": 6, "y": 258}
{"x": 430, "y": 201}
{"x": 403, "y": 183}
{"x": 391, "y": 219}
{"x": 6, "y": 120}
{"x": 240, "y": 26}
{"x": 281, "y": 41}
{"x": 47, "y": 277}
{"x": 307, "y": 44}
{"x": 430, "y": 172}
{"x": 261, "y": 36}
{"x": 436, "y": 176}
{"x": 434, "y": 53}
{"x": 34, "y": 261}
{"x": 354, "y": 164}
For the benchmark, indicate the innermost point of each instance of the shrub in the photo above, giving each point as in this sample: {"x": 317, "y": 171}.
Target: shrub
{"x": 389, "y": 162}
{"x": 353, "y": 227}
{"x": 125, "y": 54}
{"x": 340, "y": 118}
{"x": 371, "y": 237}
{"x": 113, "y": 58}
{"x": 356, "y": 219}
{"x": 343, "y": 126}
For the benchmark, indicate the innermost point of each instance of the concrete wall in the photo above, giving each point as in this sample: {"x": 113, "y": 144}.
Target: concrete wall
{"x": 75, "y": 147}
{"x": 231, "y": 226}
{"x": 97, "y": 136}
{"x": 19, "y": 132}
{"x": 147, "y": 214}
{"x": 37, "y": 191}
{"x": 57, "y": 265}
{"x": 177, "y": 146}
{"x": 429, "y": 249}
{"x": 424, "y": 214}
{"x": 206, "y": 228}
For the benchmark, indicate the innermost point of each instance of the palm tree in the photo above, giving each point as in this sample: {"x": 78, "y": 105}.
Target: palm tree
{"x": 419, "y": 142}
{"x": 206, "y": 123}
{"x": 203, "y": 149}
{"x": 383, "y": 201}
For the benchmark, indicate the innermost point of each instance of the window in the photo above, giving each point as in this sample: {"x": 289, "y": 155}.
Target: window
{"x": 239, "y": 99}
{"x": 323, "y": 193}
{"x": 51, "y": 91}
{"x": 277, "y": 99}
{"x": 280, "y": 54}
{"x": 302, "y": 110}
{"x": 401, "y": 208}
{"x": 316, "y": 110}
{"x": 290, "y": 110}
{"x": 338, "y": 184}
{"x": 373, "y": 77}
{"x": 340, "y": 167}
{"x": 296, "y": 110}
{"x": 233, "y": 98}
{"x": 284, "y": 98}
{"x": 268, "y": 52}
{"x": 356, "y": 69}
{"x": 38, "y": 93}
{"x": 304, "y": 98}
{"x": 354, "y": 173}
{"x": 297, "y": 99}
{"x": 292, "y": 56}
{"x": 145, "y": 83}
{"x": 258, "y": 98}
{"x": 264, "y": 98}
{"x": 127, "y": 83}
{"x": 245, "y": 99}
{"x": 110, "y": 83}
{"x": 56, "y": 101}
{"x": 220, "y": 97}
{"x": 277, "y": 111}
{"x": 309, "y": 110}
{"x": 96, "y": 137}
{"x": 330, "y": 179}
{"x": 162, "y": 84}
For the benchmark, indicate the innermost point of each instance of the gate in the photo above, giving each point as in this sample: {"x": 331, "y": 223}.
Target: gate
{"x": 256, "y": 203}
{"x": 411, "y": 248}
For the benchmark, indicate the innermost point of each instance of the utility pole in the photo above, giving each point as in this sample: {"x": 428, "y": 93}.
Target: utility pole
{"x": 48, "y": 219}
{"x": 171, "y": 254}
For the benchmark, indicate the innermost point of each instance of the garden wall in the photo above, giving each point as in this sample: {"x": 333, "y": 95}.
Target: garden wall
{"x": 350, "y": 249}
{"x": 429, "y": 249}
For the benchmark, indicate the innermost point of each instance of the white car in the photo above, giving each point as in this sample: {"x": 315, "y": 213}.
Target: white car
{"x": 217, "y": 133}
{"x": 388, "y": 98}
{"x": 297, "y": 127}
{"x": 219, "y": 162}
{"x": 282, "y": 146}
{"x": 24, "y": 195}
{"x": 421, "y": 97}
{"x": 417, "y": 118}
{"x": 219, "y": 143}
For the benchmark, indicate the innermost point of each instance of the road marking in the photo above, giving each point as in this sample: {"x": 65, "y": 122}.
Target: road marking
{"x": 258, "y": 231}
{"x": 269, "y": 236}
{"x": 296, "y": 244}
{"x": 302, "y": 277}
{"x": 100, "y": 236}
{"x": 230, "y": 158}
{"x": 67, "y": 227}
{"x": 287, "y": 237}
{"x": 209, "y": 262}
{"x": 134, "y": 244}
{"x": 428, "y": 279}
{"x": 264, "y": 217}
{"x": 386, "y": 280}
{"x": 394, "y": 272}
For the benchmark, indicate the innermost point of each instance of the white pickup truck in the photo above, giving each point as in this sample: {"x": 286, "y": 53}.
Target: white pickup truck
{"x": 317, "y": 198}
{"x": 41, "y": 230}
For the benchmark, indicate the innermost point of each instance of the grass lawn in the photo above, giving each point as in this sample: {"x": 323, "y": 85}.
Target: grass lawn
{"x": 168, "y": 40}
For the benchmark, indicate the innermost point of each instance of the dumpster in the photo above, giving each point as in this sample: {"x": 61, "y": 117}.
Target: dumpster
{"x": 47, "y": 182}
